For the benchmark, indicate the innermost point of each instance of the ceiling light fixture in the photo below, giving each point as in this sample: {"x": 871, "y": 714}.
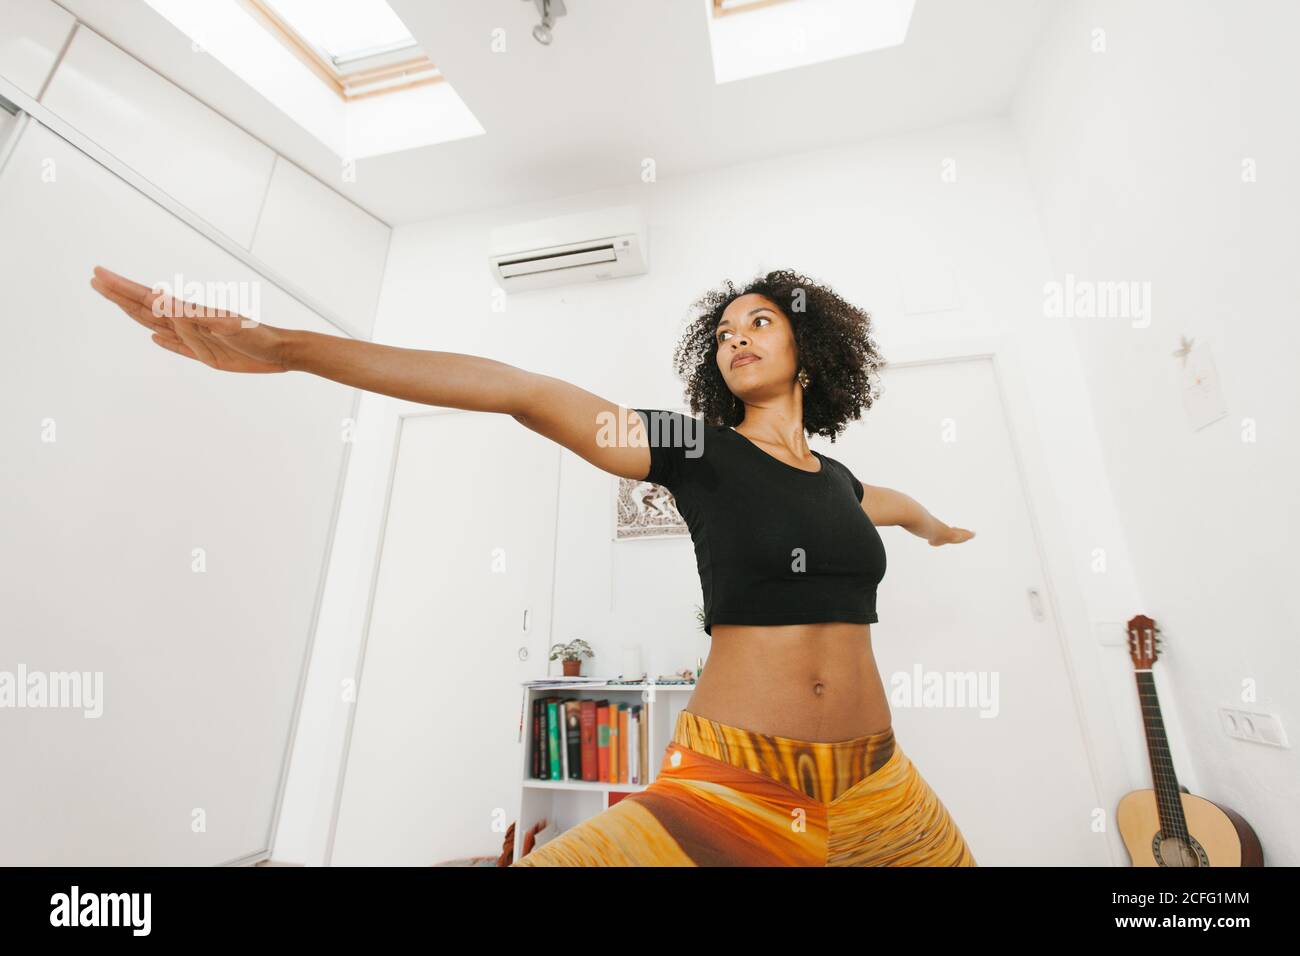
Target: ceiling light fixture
{"x": 549, "y": 9}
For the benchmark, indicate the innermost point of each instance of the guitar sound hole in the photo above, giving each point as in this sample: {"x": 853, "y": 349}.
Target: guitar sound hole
{"x": 1175, "y": 851}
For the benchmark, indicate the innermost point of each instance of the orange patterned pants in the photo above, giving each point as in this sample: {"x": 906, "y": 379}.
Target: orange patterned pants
{"x": 725, "y": 796}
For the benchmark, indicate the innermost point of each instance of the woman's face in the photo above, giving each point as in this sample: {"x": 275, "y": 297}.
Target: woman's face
{"x": 757, "y": 355}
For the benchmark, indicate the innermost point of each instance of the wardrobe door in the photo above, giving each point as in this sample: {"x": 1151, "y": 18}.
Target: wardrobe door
{"x": 8, "y": 123}
{"x": 162, "y": 538}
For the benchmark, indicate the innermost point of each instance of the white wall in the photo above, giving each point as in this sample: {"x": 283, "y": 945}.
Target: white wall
{"x": 859, "y": 218}
{"x": 1137, "y": 156}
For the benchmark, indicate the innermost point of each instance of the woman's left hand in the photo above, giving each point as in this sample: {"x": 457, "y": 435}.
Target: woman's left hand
{"x": 946, "y": 534}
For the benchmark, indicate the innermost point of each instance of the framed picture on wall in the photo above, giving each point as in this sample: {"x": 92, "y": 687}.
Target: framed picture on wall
{"x": 643, "y": 509}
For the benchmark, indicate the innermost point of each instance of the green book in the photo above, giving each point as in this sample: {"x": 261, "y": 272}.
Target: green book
{"x": 553, "y": 736}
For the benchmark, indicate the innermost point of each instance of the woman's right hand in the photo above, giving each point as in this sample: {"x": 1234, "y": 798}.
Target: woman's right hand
{"x": 219, "y": 339}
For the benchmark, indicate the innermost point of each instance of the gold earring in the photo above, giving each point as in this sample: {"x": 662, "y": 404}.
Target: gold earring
{"x": 803, "y": 378}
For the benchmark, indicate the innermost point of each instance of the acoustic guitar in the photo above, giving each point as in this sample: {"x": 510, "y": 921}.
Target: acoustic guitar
{"x": 1167, "y": 826}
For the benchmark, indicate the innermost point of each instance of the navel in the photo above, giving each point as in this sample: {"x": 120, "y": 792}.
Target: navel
{"x": 819, "y": 688}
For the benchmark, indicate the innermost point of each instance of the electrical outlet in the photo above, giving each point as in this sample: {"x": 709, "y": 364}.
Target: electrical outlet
{"x": 1253, "y": 726}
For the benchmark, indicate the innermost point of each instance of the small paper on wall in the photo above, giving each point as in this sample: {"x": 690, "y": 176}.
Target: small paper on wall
{"x": 1202, "y": 396}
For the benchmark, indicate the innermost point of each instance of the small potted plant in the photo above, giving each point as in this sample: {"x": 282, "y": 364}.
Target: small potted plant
{"x": 572, "y": 654}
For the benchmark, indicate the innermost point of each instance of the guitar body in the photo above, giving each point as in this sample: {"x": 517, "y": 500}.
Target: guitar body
{"x": 1219, "y": 836}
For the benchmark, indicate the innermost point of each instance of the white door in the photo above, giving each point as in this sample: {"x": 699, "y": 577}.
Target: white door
{"x": 1016, "y": 781}
{"x": 464, "y": 583}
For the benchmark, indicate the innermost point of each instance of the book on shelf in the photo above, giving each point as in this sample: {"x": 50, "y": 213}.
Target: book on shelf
{"x": 589, "y": 740}
{"x": 669, "y": 682}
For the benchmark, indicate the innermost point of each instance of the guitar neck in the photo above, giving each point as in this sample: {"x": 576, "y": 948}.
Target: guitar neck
{"x": 1164, "y": 780}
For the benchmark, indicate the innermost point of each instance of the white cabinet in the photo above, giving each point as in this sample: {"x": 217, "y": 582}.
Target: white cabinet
{"x": 8, "y": 124}
{"x": 317, "y": 239}
{"x": 32, "y": 33}
{"x": 164, "y": 526}
{"x": 308, "y": 236}
{"x": 189, "y": 151}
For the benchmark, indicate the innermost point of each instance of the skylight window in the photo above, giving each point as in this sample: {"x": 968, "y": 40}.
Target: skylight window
{"x": 357, "y": 47}
{"x": 754, "y": 37}
{"x": 345, "y": 30}
{"x": 347, "y": 71}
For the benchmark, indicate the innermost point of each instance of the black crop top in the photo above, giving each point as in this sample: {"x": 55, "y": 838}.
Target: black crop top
{"x": 774, "y": 544}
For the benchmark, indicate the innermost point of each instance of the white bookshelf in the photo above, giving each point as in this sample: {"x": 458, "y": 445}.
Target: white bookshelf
{"x": 569, "y": 802}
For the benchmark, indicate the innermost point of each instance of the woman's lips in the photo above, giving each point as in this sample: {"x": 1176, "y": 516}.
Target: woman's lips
{"x": 744, "y": 359}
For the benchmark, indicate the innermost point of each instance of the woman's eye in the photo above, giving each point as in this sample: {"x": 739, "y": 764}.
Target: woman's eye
{"x": 722, "y": 336}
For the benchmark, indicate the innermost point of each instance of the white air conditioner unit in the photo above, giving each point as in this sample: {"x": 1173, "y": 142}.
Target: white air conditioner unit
{"x": 584, "y": 247}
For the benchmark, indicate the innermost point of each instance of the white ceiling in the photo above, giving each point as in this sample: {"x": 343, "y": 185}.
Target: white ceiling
{"x": 623, "y": 80}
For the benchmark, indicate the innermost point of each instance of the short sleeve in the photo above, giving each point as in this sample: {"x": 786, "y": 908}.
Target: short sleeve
{"x": 675, "y": 440}
{"x": 853, "y": 481}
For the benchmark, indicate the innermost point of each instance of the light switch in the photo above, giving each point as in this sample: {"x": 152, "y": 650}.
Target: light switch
{"x": 1110, "y": 633}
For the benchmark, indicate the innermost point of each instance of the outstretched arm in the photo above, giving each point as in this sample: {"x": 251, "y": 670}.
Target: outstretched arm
{"x": 885, "y": 506}
{"x": 607, "y": 435}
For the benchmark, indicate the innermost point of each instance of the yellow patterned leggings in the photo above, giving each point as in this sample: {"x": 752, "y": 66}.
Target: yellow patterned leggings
{"x": 725, "y": 796}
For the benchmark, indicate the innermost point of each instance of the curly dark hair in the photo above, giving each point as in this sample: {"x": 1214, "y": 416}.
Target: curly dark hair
{"x": 834, "y": 343}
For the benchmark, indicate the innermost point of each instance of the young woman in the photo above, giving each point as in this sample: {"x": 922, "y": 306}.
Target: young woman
{"x": 785, "y": 753}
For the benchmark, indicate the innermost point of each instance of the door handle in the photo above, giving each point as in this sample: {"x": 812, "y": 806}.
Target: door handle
{"x": 523, "y": 648}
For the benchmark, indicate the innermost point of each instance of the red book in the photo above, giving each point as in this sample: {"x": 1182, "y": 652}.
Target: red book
{"x": 589, "y": 757}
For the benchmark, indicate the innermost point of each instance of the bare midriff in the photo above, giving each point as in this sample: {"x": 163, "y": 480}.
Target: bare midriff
{"x": 807, "y": 681}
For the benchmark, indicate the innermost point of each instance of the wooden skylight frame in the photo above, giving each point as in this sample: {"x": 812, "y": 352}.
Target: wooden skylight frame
{"x": 351, "y": 85}
{"x": 725, "y": 11}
